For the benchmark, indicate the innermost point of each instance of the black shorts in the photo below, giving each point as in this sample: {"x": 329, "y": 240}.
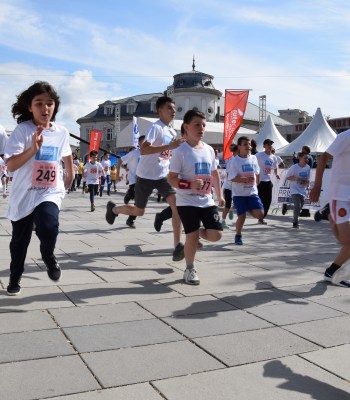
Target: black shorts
{"x": 145, "y": 187}
{"x": 228, "y": 198}
{"x": 191, "y": 217}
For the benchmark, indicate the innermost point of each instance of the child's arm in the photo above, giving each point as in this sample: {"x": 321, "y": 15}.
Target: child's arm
{"x": 18, "y": 160}
{"x": 217, "y": 187}
{"x": 69, "y": 175}
{"x": 175, "y": 181}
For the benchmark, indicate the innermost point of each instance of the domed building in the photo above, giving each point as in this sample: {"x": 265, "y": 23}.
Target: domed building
{"x": 190, "y": 90}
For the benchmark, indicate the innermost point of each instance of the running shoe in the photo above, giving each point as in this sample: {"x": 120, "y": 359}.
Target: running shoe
{"x": 230, "y": 214}
{"x": 158, "y": 222}
{"x": 284, "y": 209}
{"x": 110, "y": 216}
{"x": 322, "y": 214}
{"x": 130, "y": 223}
{"x": 191, "y": 277}
{"x": 13, "y": 288}
{"x": 238, "y": 240}
{"x": 328, "y": 278}
{"x": 342, "y": 274}
{"x": 179, "y": 252}
{"x": 224, "y": 225}
{"x": 53, "y": 269}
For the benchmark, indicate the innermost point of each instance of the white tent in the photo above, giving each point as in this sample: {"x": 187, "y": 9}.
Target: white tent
{"x": 318, "y": 136}
{"x": 269, "y": 131}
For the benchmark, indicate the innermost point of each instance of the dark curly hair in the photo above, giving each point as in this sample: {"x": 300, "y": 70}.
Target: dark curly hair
{"x": 20, "y": 109}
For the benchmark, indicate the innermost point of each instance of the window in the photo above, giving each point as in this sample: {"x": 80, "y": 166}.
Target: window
{"x": 210, "y": 110}
{"x": 131, "y": 108}
{"x": 179, "y": 109}
{"x": 108, "y": 110}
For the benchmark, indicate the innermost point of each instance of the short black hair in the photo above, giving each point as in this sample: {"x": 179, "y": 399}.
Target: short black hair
{"x": 93, "y": 153}
{"x": 20, "y": 109}
{"x": 163, "y": 100}
{"x": 241, "y": 139}
{"x": 190, "y": 114}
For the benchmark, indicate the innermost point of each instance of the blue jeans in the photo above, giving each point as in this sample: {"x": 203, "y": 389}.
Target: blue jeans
{"x": 45, "y": 218}
{"x": 103, "y": 180}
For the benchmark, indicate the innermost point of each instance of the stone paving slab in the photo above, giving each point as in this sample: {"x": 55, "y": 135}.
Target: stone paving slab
{"x": 119, "y": 335}
{"x": 340, "y": 303}
{"x": 38, "y": 298}
{"x": 325, "y": 332}
{"x": 283, "y": 314}
{"x": 47, "y": 377}
{"x": 289, "y": 378}
{"x": 117, "y": 292}
{"x": 32, "y": 345}
{"x": 259, "y": 298}
{"x": 185, "y": 306}
{"x": 141, "y": 391}
{"x": 334, "y": 359}
{"x": 146, "y": 363}
{"x": 25, "y": 321}
{"x": 100, "y": 314}
{"x": 218, "y": 323}
{"x": 252, "y": 346}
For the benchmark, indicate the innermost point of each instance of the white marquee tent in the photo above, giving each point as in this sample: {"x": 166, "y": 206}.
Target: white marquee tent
{"x": 269, "y": 131}
{"x": 318, "y": 136}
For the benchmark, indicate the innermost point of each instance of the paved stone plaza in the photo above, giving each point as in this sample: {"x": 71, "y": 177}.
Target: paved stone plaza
{"x": 122, "y": 325}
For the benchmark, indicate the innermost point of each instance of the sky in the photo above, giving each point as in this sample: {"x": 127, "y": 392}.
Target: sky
{"x": 296, "y": 52}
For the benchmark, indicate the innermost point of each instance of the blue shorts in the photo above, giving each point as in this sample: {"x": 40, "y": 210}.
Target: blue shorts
{"x": 247, "y": 203}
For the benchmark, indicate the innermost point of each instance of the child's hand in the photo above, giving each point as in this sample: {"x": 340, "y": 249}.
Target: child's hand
{"x": 37, "y": 139}
{"x": 197, "y": 184}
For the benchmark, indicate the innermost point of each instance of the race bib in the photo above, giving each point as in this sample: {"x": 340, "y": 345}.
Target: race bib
{"x": 165, "y": 155}
{"x": 45, "y": 174}
{"x": 207, "y": 185}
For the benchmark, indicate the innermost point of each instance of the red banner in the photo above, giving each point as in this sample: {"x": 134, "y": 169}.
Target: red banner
{"x": 95, "y": 139}
{"x": 235, "y": 105}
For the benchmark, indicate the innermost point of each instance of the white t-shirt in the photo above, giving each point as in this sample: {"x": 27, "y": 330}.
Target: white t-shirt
{"x": 40, "y": 178}
{"x": 303, "y": 175}
{"x": 340, "y": 171}
{"x": 247, "y": 167}
{"x": 267, "y": 163}
{"x": 106, "y": 165}
{"x": 156, "y": 166}
{"x": 93, "y": 172}
{"x": 3, "y": 139}
{"x": 192, "y": 163}
{"x": 132, "y": 159}
{"x": 227, "y": 183}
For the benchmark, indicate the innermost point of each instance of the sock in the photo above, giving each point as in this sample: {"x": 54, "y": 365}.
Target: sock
{"x": 189, "y": 266}
{"x": 333, "y": 268}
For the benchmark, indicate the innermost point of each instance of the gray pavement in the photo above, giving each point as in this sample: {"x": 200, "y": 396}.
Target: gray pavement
{"x": 122, "y": 325}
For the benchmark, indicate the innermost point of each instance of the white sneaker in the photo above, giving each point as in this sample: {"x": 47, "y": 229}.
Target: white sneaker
{"x": 191, "y": 277}
{"x": 342, "y": 274}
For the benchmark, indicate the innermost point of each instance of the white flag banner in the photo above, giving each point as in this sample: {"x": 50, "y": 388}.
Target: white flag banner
{"x": 135, "y": 132}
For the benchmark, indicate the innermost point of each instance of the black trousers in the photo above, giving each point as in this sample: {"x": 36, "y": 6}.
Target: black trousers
{"x": 265, "y": 194}
{"x": 45, "y": 218}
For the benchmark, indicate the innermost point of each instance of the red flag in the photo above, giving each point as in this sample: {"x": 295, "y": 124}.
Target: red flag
{"x": 235, "y": 105}
{"x": 95, "y": 139}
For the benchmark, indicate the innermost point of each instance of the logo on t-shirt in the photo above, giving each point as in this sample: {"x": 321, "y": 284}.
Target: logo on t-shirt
{"x": 247, "y": 168}
{"x": 202, "y": 168}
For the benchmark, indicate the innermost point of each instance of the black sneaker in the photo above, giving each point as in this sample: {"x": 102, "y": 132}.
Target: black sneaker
{"x": 328, "y": 278}
{"x": 158, "y": 222}
{"x": 179, "y": 252}
{"x": 13, "y": 288}
{"x": 305, "y": 212}
{"x": 284, "y": 209}
{"x": 323, "y": 213}
{"x": 130, "y": 223}
{"x": 110, "y": 216}
{"x": 238, "y": 240}
{"x": 295, "y": 225}
{"x": 53, "y": 269}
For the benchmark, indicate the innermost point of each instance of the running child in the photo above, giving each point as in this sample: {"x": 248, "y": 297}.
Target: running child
{"x": 34, "y": 153}
{"x": 93, "y": 170}
{"x": 193, "y": 170}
